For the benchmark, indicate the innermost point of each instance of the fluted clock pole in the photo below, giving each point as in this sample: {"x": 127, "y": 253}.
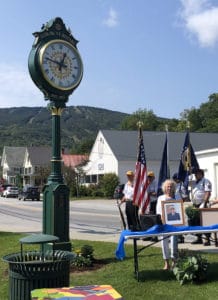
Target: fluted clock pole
{"x": 56, "y": 193}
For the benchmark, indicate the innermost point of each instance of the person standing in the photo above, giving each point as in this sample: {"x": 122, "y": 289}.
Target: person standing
{"x": 201, "y": 192}
{"x": 181, "y": 192}
{"x": 152, "y": 192}
{"x": 131, "y": 210}
{"x": 168, "y": 188}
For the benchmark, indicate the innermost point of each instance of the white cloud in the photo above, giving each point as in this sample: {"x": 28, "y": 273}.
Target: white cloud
{"x": 17, "y": 88}
{"x": 112, "y": 19}
{"x": 200, "y": 20}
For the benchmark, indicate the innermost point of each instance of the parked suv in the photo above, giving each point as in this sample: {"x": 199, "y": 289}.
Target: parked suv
{"x": 11, "y": 191}
{"x": 29, "y": 193}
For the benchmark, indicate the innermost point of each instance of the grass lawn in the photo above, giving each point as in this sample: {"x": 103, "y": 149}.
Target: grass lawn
{"x": 154, "y": 282}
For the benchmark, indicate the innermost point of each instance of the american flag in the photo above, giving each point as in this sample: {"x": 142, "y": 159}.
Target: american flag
{"x": 140, "y": 197}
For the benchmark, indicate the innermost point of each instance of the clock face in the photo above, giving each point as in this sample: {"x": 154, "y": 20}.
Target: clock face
{"x": 61, "y": 65}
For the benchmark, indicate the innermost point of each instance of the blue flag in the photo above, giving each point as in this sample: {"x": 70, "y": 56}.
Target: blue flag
{"x": 188, "y": 161}
{"x": 164, "y": 172}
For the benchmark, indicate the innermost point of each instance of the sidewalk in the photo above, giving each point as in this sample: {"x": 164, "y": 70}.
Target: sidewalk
{"x": 108, "y": 237}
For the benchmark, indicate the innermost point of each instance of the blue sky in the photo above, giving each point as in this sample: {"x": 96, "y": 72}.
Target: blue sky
{"x": 138, "y": 54}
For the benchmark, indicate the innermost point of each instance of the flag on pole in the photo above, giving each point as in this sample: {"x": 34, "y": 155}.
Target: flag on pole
{"x": 164, "y": 172}
{"x": 188, "y": 161}
{"x": 140, "y": 197}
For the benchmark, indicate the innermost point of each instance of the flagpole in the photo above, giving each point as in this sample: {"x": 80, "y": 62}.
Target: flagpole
{"x": 189, "y": 167}
{"x": 166, "y": 128}
{"x": 164, "y": 172}
{"x": 189, "y": 151}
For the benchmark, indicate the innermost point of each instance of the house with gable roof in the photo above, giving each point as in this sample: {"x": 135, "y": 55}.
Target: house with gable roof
{"x": 115, "y": 151}
{"x": 36, "y": 165}
{"x": 12, "y": 163}
{"x": 32, "y": 164}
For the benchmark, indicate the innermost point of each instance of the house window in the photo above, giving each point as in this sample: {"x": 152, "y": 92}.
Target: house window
{"x": 87, "y": 179}
{"x": 17, "y": 170}
{"x": 93, "y": 178}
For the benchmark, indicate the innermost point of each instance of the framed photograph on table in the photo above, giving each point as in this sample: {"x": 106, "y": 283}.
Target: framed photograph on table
{"x": 173, "y": 212}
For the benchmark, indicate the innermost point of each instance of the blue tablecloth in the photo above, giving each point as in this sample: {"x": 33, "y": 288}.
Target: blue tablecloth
{"x": 157, "y": 229}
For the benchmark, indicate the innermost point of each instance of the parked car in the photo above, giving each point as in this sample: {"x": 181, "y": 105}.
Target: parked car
{"x": 11, "y": 191}
{"x": 3, "y": 187}
{"x": 29, "y": 193}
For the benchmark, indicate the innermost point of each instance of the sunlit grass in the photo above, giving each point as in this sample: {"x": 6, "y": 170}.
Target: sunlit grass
{"x": 154, "y": 283}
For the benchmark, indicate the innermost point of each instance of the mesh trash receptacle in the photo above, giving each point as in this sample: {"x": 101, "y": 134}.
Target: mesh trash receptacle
{"x": 30, "y": 270}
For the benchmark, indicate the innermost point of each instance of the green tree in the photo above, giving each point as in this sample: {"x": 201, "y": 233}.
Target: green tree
{"x": 204, "y": 118}
{"x": 83, "y": 147}
{"x": 195, "y": 119}
{"x": 42, "y": 175}
{"x": 209, "y": 114}
{"x": 69, "y": 175}
{"x": 108, "y": 183}
{"x": 147, "y": 117}
{"x": 73, "y": 178}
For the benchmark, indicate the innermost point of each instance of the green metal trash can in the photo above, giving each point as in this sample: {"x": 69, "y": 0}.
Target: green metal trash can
{"x": 29, "y": 270}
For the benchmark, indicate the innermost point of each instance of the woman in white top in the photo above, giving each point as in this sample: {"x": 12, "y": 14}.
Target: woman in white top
{"x": 168, "y": 188}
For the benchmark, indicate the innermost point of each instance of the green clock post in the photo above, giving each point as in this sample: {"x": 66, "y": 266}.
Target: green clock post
{"x": 56, "y": 68}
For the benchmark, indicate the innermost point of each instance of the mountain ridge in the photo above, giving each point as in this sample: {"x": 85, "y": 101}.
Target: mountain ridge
{"x": 26, "y": 126}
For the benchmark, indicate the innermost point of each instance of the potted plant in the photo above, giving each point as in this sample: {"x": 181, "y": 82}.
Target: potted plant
{"x": 193, "y": 215}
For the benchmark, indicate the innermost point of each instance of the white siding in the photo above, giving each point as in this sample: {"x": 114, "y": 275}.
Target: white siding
{"x": 101, "y": 159}
{"x": 208, "y": 161}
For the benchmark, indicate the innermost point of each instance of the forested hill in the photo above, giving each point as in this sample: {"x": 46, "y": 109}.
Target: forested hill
{"x": 26, "y": 126}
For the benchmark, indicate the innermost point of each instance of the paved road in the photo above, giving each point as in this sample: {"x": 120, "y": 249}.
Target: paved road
{"x": 89, "y": 219}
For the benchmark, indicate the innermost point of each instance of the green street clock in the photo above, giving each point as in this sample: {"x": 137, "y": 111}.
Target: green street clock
{"x": 54, "y": 62}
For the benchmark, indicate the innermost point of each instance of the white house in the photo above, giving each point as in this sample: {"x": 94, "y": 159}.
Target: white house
{"x": 12, "y": 163}
{"x": 115, "y": 151}
{"x": 208, "y": 160}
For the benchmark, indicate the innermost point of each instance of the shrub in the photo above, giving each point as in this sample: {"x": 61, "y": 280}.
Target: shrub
{"x": 108, "y": 183}
{"x": 81, "y": 262}
{"x": 87, "y": 251}
{"x": 190, "y": 267}
{"x": 193, "y": 215}
{"x": 84, "y": 257}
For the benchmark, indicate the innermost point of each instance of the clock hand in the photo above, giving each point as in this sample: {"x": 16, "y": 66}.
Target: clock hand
{"x": 62, "y": 65}
{"x": 52, "y": 60}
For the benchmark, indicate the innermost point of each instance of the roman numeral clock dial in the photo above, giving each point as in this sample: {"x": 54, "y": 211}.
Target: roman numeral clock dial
{"x": 61, "y": 65}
